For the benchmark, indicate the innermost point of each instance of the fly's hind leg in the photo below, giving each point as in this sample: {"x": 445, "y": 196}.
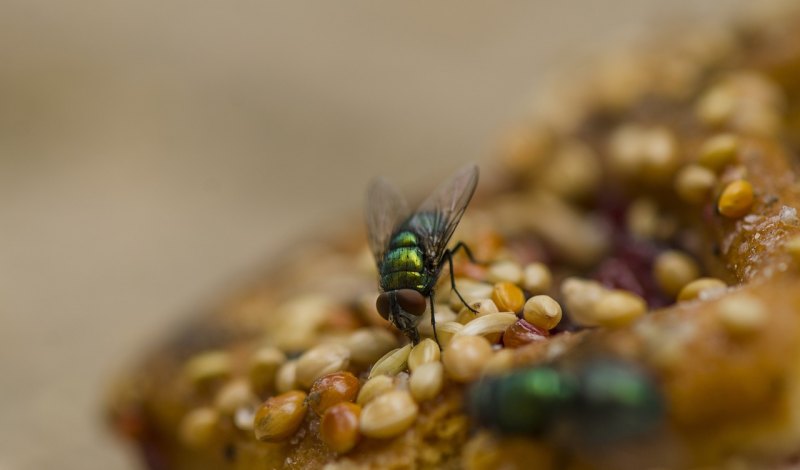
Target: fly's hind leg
{"x": 449, "y": 255}
{"x": 463, "y": 246}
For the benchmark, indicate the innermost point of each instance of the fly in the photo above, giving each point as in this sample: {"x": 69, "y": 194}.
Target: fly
{"x": 410, "y": 249}
{"x": 601, "y": 401}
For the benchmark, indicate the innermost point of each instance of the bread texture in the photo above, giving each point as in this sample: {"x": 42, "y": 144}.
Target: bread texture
{"x": 686, "y": 147}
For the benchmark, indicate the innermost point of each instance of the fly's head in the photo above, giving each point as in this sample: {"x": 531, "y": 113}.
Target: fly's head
{"x": 404, "y": 309}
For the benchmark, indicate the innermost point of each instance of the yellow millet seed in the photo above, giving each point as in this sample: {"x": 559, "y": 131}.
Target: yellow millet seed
{"x": 694, "y": 182}
{"x": 736, "y": 199}
{"x": 374, "y": 387}
{"x": 719, "y": 151}
{"x": 208, "y": 367}
{"x": 673, "y": 270}
{"x": 234, "y": 395}
{"x": 426, "y": 381}
{"x": 701, "y": 288}
{"x": 466, "y": 356}
{"x": 508, "y": 297}
{"x": 792, "y": 246}
{"x": 619, "y": 308}
{"x": 426, "y": 351}
{"x": 504, "y": 271}
{"x": 542, "y": 311}
{"x": 536, "y": 278}
{"x": 199, "y": 427}
{"x": 742, "y": 315}
{"x": 388, "y": 415}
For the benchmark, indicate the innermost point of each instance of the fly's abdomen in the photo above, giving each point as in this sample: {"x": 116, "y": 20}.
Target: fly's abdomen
{"x": 403, "y": 265}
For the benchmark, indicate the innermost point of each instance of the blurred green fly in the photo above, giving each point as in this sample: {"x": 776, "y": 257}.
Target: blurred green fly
{"x": 602, "y": 401}
{"x": 410, "y": 249}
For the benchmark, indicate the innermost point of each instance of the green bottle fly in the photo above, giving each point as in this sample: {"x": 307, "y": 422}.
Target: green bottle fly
{"x": 410, "y": 249}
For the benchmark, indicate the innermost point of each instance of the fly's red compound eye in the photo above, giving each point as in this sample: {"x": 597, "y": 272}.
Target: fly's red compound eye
{"x": 382, "y": 304}
{"x": 411, "y": 301}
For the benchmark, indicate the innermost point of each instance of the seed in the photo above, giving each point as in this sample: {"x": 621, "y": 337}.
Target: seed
{"x": 446, "y": 330}
{"x": 705, "y": 287}
{"x": 717, "y": 105}
{"x": 263, "y": 366}
{"x": 719, "y": 151}
{"x": 234, "y": 395}
{"x": 300, "y": 321}
{"x": 488, "y": 325}
{"x": 374, "y": 387}
{"x": 331, "y": 389}
{"x": 542, "y": 311}
{"x": 286, "y": 377}
{"x": 338, "y": 428}
{"x": 580, "y": 297}
{"x": 484, "y": 307}
{"x": 661, "y": 155}
{"x": 508, "y": 297}
{"x": 392, "y": 363}
{"x": 501, "y": 362}
{"x": 208, "y": 367}
{"x": 472, "y": 291}
{"x": 521, "y": 333}
{"x": 466, "y": 356}
{"x": 642, "y": 218}
{"x": 573, "y": 172}
{"x": 244, "y": 418}
{"x": 647, "y": 153}
{"x": 619, "y": 308}
{"x": 321, "y": 360}
{"x": 426, "y": 381}
{"x": 199, "y": 427}
{"x": 426, "y": 351}
{"x": 736, "y": 199}
{"x": 367, "y": 345}
{"x": 280, "y": 417}
{"x": 504, "y": 271}
{"x": 792, "y": 246}
{"x": 742, "y": 315}
{"x": 536, "y": 278}
{"x": 673, "y": 270}
{"x": 443, "y": 314}
{"x": 693, "y": 183}
{"x": 388, "y": 415}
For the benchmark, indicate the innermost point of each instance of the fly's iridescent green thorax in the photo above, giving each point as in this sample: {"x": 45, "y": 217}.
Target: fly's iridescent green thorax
{"x": 403, "y": 264}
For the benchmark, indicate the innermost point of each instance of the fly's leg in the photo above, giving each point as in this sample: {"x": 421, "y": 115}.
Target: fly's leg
{"x": 433, "y": 322}
{"x": 463, "y": 246}
{"x": 449, "y": 255}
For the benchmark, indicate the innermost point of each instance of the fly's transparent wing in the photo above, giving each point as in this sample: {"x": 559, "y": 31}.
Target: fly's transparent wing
{"x": 386, "y": 210}
{"x": 437, "y": 217}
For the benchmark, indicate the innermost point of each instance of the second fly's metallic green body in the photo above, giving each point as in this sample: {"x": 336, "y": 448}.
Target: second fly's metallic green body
{"x": 410, "y": 249}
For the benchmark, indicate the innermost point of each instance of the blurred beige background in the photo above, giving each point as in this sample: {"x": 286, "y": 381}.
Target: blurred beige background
{"x": 153, "y": 152}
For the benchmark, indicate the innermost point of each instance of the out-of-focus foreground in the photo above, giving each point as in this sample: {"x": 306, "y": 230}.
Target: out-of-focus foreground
{"x": 151, "y": 152}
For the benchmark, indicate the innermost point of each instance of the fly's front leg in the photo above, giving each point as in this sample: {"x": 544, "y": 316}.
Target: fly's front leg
{"x": 433, "y": 322}
{"x": 449, "y": 255}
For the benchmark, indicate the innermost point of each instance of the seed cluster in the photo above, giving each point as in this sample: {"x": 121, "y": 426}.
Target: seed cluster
{"x": 559, "y": 257}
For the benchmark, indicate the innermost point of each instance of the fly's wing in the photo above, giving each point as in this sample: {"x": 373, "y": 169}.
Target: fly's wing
{"x": 437, "y": 217}
{"x": 386, "y": 210}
